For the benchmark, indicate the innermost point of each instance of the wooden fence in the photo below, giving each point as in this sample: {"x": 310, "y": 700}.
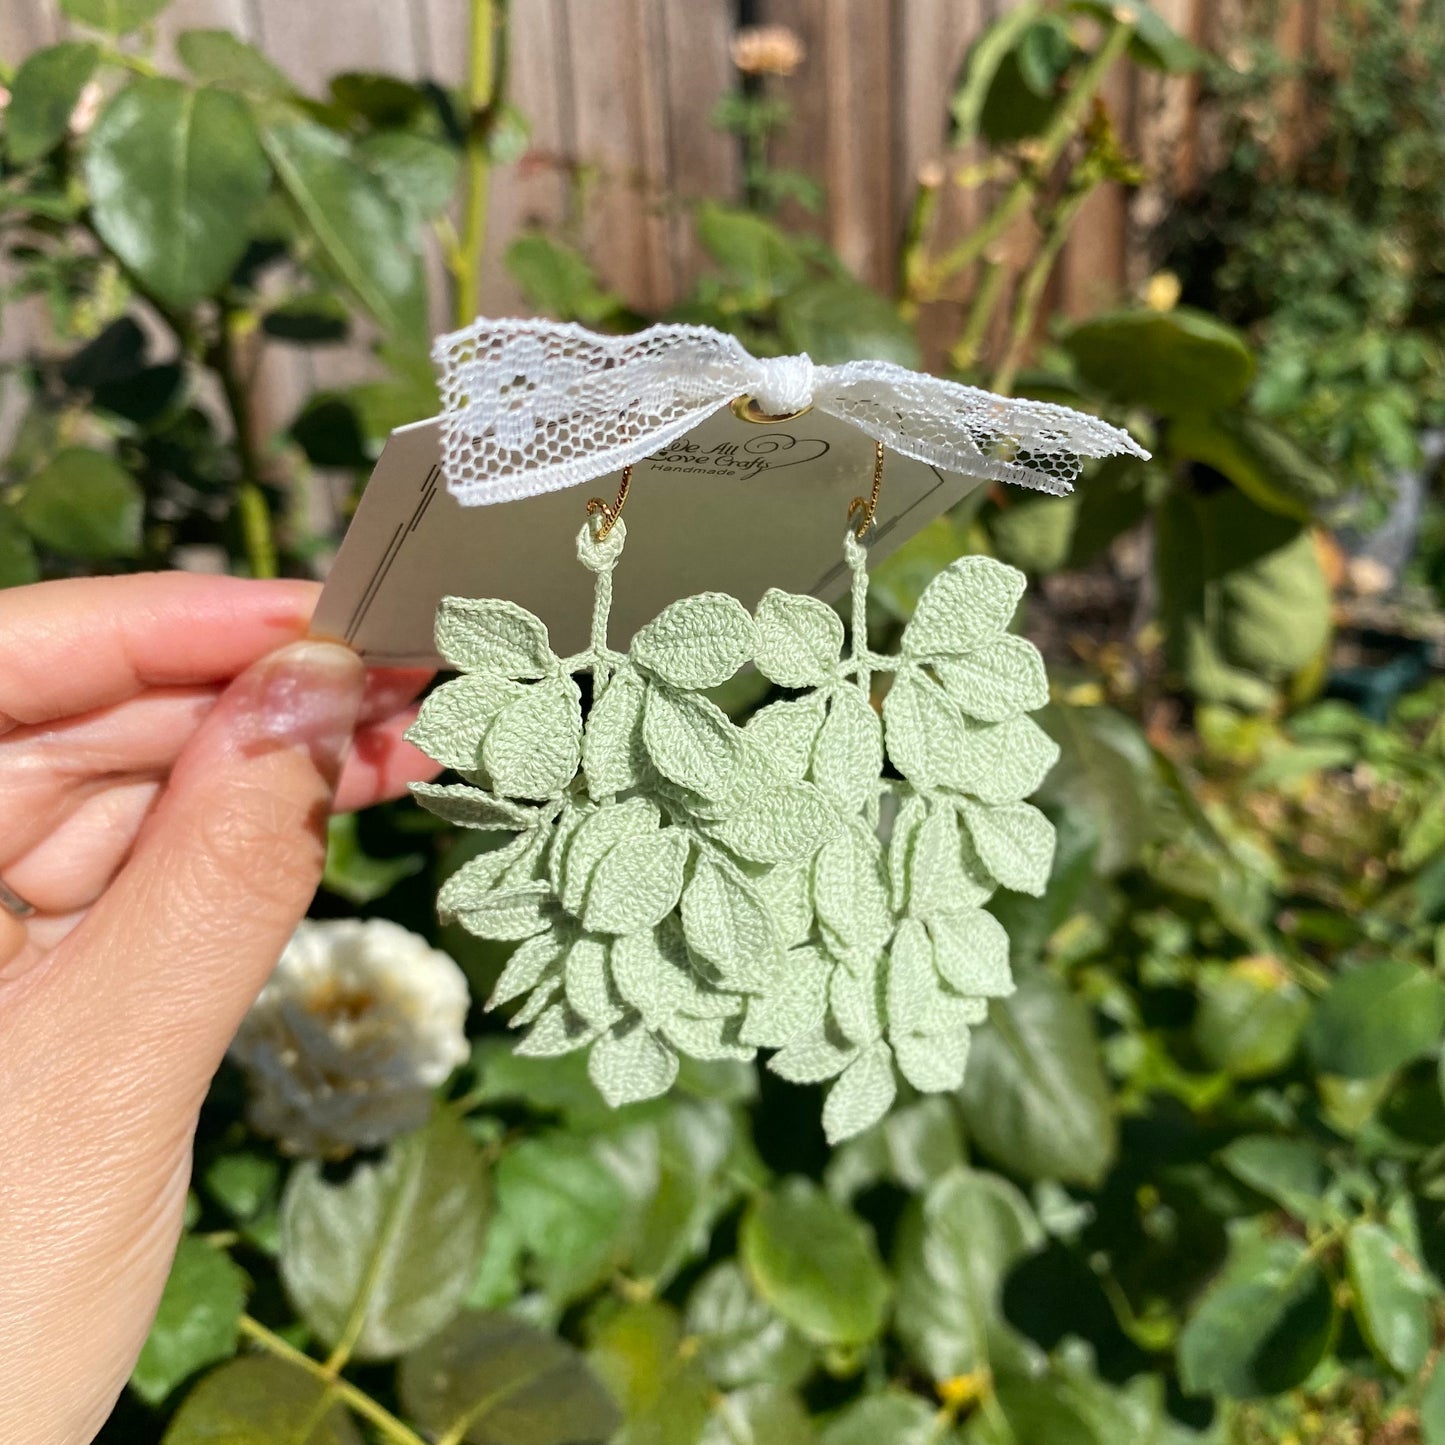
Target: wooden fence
{"x": 625, "y": 88}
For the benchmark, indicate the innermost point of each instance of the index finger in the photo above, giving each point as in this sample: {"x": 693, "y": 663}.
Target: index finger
{"x": 67, "y": 647}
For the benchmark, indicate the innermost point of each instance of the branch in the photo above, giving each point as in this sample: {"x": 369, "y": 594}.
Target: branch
{"x": 344, "y": 1391}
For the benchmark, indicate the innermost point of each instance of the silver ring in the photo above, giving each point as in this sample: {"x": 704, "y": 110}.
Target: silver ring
{"x": 13, "y": 903}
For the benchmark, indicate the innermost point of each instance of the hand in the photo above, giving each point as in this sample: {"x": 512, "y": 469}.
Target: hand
{"x": 165, "y": 775}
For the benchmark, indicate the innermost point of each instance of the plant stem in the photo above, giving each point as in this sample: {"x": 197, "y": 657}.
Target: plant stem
{"x": 1050, "y": 147}
{"x": 253, "y": 511}
{"x": 392, "y": 1428}
{"x": 986, "y": 296}
{"x": 1030, "y": 297}
{"x": 485, "y": 91}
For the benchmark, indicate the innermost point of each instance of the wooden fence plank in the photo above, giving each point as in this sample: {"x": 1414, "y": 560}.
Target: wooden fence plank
{"x": 534, "y": 193}
{"x": 619, "y": 92}
{"x": 700, "y": 160}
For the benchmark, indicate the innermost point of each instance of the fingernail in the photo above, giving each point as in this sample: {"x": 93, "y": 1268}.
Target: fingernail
{"x": 308, "y": 695}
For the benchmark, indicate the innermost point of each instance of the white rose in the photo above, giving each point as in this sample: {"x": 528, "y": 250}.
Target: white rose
{"x": 357, "y": 1026}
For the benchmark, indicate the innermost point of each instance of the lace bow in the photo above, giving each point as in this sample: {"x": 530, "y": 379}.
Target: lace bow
{"x": 535, "y": 406}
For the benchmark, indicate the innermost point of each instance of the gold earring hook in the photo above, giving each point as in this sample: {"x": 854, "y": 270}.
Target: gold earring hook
{"x": 610, "y": 511}
{"x": 868, "y": 505}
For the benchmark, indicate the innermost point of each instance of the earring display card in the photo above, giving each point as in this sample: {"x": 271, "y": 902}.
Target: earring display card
{"x": 732, "y": 507}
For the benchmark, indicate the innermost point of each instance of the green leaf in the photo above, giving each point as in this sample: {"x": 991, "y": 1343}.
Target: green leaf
{"x": 863, "y": 1094}
{"x": 1035, "y": 1097}
{"x": 175, "y": 175}
{"x": 727, "y": 924}
{"x": 696, "y": 642}
{"x": 916, "y": 1144}
{"x": 889, "y": 1418}
{"x": 352, "y": 873}
{"x": 1034, "y": 533}
{"x": 640, "y": 1354}
{"x": 629, "y": 1064}
{"x": 217, "y": 57}
{"x": 761, "y": 1414}
{"x": 1173, "y": 362}
{"x": 613, "y": 750}
{"x": 815, "y": 1263}
{"x": 703, "y": 1156}
{"x": 1289, "y": 1171}
{"x": 1015, "y": 843}
{"x": 260, "y": 1401}
{"x": 1155, "y": 42}
{"x": 954, "y": 1247}
{"x": 18, "y": 563}
{"x": 1391, "y": 1296}
{"x": 383, "y": 1260}
{"x": 754, "y": 252}
{"x": 1250, "y": 1018}
{"x": 1006, "y": 761}
{"x": 558, "y": 281}
{"x": 1021, "y": 101}
{"x": 637, "y": 884}
{"x": 998, "y": 681}
{"x": 418, "y": 171}
{"x": 43, "y": 95}
{"x": 1259, "y": 459}
{"x": 784, "y": 822}
{"x": 837, "y": 319}
{"x": 362, "y": 233}
{"x": 455, "y": 717}
{"x": 939, "y": 872}
{"x": 925, "y": 732}
{"x": 495, "y": 637}
{"x": 1106, "y": 771}
{"x": 969, "y": 604}
{"x": 1070, "y": 1403}
{"x": 1264, "y": 1326}
{"x": 83, "y": 504}
{"x": 317, "y": 318}
{"x": 981, "y": 66}
{"x": 534, "y": 745}
{"x": 847, "y": 754}
{"x": 849, "y": 892}
{"x": 383, "y": 101}
{"x": 196, "y": 1323}
{"x": 799, "y": 639}
{"x": 690, "y": 740}
{"x": 1113, "y": 500}
{"x": 742, "y": 1340}
{"x": 467, "y": 807}
{"x": 593, "y": 838}
{"x": 570, "y": 1211}
{"x": 1241, "y": 593}
{"x": 493, "y": 1379}
{"x": 1432, "y": 1407}
{"x": 1375, "y": 1018}
{"x": 115, "y": 16}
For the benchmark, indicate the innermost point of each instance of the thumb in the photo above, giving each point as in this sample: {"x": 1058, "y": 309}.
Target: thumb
{"x": 183, "y": 940}
{"x": 113, "y": 1039}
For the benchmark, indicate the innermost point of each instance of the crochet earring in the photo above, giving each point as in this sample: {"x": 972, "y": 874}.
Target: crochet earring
{"x": 810, "y": 881}
{"x": 679, "y": 884}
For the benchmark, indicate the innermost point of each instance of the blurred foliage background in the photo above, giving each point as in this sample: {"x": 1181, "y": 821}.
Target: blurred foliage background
{"x": 1194, "y": 1186}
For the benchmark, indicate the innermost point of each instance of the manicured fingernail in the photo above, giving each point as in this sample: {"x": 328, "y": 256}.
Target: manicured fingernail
{"x": 308, "y": 695}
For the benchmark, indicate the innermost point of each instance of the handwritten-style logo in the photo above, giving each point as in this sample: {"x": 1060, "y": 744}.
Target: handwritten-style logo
{"x": 738, "y": 460}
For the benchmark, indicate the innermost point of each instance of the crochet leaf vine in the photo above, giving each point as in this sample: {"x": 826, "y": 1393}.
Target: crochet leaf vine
{"x": 679, "y": 884}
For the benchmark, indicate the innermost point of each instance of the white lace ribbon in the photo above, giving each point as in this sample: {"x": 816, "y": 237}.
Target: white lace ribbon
{"x": 535, "y": 406}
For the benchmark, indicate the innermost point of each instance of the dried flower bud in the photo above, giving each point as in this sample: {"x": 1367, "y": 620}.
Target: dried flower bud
{"x": 767, "y": 50}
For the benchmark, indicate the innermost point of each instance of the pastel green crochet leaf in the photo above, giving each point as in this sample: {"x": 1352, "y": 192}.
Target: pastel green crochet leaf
{"x": 811, "y": 882}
